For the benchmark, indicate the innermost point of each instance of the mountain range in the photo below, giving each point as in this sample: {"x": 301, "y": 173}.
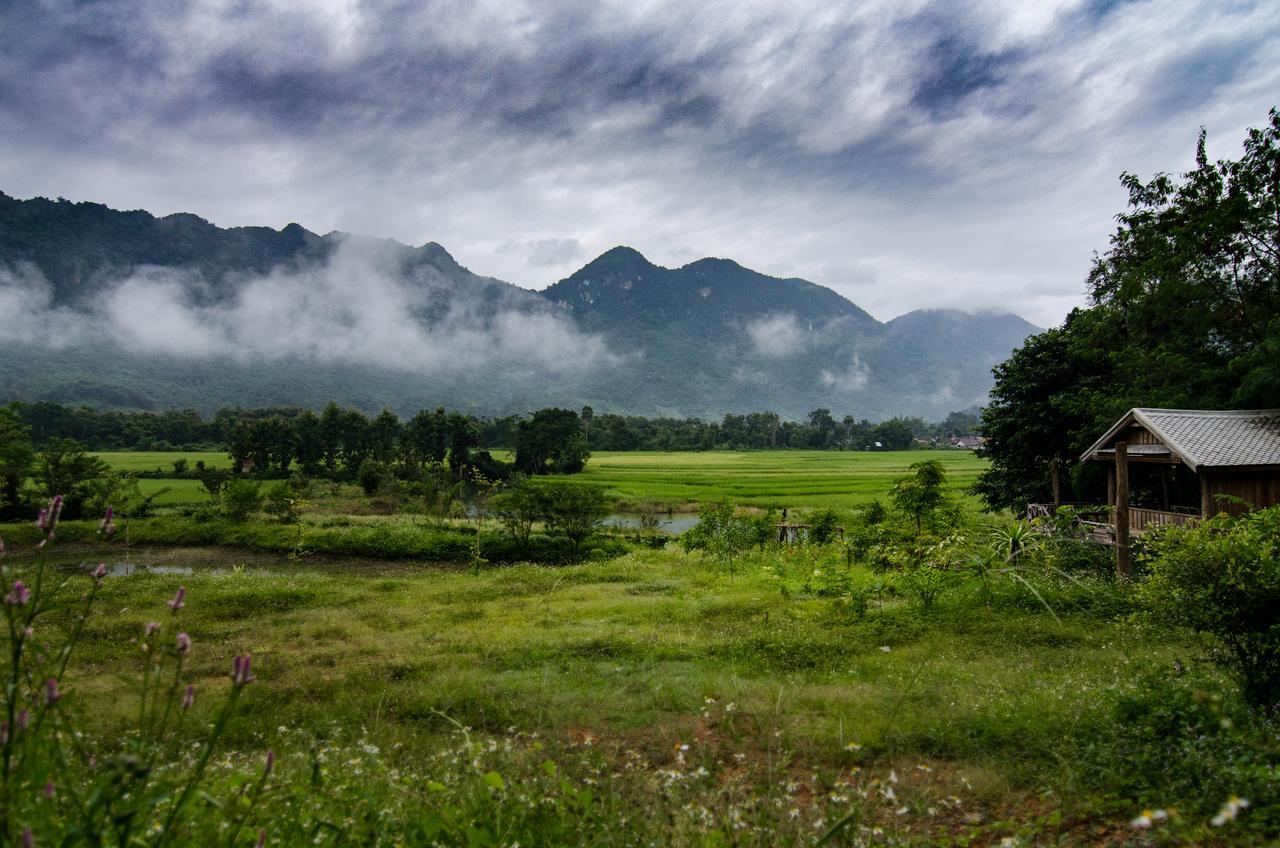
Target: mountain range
{"x": 126, "y": 310}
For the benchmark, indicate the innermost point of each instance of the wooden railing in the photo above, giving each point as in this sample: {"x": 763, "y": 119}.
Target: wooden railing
{"x": 1142, "y": 519}
{"x": 1095, "y": 521}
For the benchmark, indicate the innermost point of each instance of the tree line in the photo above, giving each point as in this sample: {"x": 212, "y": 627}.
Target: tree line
{"x": 187, "y": 429}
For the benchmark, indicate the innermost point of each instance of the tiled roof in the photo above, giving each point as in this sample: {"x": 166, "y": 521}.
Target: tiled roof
{"x": 1209, "y": 438}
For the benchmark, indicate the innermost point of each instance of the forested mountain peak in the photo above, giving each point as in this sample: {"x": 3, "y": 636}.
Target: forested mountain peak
{"x": 174, "y": 310}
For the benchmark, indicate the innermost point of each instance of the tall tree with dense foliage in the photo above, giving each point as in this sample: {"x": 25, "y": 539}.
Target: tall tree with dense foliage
{"x": 16, "y": 457}
{"x": 1184, "y": 312}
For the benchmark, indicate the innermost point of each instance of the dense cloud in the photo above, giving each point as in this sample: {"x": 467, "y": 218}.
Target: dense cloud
{"x": 352, "y": 309}
{"x": 907, "y": 154}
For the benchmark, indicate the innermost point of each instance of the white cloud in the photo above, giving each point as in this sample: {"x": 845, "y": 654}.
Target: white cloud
{"x": 776, "y": 336}
{"x": 354, "y": 309}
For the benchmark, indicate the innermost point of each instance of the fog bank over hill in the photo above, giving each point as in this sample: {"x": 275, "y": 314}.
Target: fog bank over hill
{"x": 124, "y": 309}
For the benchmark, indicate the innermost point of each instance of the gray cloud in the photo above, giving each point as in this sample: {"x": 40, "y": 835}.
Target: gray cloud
{"x": 957, "y": 153}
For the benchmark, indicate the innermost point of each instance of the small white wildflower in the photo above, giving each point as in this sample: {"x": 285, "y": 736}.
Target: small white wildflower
{"x": 853, "y": 746}
{"x": 885, "y": 648}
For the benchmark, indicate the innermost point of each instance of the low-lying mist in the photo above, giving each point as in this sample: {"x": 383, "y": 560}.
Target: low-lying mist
{"x": 360, "y": 306}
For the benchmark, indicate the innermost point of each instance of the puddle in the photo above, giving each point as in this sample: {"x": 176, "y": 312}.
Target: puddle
{"x": 676, "y": 522}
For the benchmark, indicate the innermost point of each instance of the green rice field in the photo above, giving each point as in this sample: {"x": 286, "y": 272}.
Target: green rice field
{"x": 791, "y": 479}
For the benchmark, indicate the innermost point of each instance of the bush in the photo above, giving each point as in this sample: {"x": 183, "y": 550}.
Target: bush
{"x": 573, "y": 509}
{"x": 372, "y": 476}
{"x": 823, "y": 529}
{"x": 240, "y": 499}
{"x": 1222, "y": 578}
{"x": 280, "y": 503}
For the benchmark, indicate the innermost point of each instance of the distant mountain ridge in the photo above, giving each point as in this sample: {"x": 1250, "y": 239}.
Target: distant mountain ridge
{"x": 373, "y": 322}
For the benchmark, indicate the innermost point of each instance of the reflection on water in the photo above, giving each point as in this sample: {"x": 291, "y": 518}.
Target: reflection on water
{"x": 671, "y": 523}
{"x": 126, "y": 569}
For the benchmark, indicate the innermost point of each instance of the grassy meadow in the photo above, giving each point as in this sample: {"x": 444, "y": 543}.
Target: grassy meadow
{"x": 413, "y": 694}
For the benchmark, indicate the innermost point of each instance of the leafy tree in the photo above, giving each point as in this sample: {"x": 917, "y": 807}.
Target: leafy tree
{"x": 17, "y": 455}
{"x": 548, "y": 436}
{"x": 214, "y": 480}
{"x": 308, "y": 447}
{"x": 574, "y": 509}
{"x": 721, "y": 532}
{"x": 464, "y": 436}
{"x": 66, "y": 468}
{"x": 921, "y": 494}
{"x": 425, "y": 440}
{"x": 384, "y": 435}
{"x": 518, "y": 507}
{"x": 1183, "y": 313}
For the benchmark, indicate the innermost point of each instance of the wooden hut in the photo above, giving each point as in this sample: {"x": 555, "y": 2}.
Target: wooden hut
{"x": 1235, "y": 453}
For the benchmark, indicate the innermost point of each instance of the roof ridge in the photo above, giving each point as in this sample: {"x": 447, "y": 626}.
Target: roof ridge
{"x": 1151, "y": 409}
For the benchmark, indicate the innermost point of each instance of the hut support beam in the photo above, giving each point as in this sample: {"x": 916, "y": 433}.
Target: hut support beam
{"x": 1124, "y": 567}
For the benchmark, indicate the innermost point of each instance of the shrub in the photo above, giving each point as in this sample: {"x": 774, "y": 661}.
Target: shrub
{"x": 573, "y": 509}
{"x": 240, "y": 499}
{"x": 371, "y": 476}
{"x": 1222, "y": 578}
{"x": 823, "y": 529}
{"x": 719, "y": 532}
{"x": 280, "y": 503}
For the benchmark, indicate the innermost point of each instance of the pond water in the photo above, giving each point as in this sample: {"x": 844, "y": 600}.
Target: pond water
{"x": 676, "y": 522}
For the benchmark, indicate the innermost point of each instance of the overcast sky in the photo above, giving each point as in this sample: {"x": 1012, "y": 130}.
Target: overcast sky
{"x": 907, "y": 154}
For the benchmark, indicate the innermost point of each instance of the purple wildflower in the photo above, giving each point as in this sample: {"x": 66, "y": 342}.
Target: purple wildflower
{"x": 18, "y": 595}
{"x": 184, "y": 643}
{"x": 240, "y": 674}
{"x": 177, "y": 602}
{"x": 51, "y": 693}
{"x": 100, "y": 572}
{"x": 106, "y": 519}
{"x": 270, "y": 764}
{"x": 189, "y": 698}
{"x": 28, "y": 838}
{"x": 4, "y": 733}
{"x": 42, "y": 520}
{"x": 262, "y": 839}
{"x": 24, "y": 718}
{"x": 152, "y": 627}
{"x": 49, "y": 789}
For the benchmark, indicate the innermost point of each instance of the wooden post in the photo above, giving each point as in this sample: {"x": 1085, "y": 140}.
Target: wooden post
{"x": 1206, "y": 497}
{"x": 1123, "y": 565}
{"x": 1164, "y": 487}
{"x": 1111, "y": 485}
{"x": 1055, "y": 481}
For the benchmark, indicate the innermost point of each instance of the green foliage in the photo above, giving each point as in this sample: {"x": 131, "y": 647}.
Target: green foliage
{"x": 1183, "y": 315}
{"x": 129, "y": 788}
{"x": 281, "y": 503}
{"x": 372, "y": 476}
{"x": 66, "y": 468}
{"x": 720, "y": 532}
{"x": 518, "y": 507}
{"x": 575, "y": 510}
{"x": 17, "y": 455}
{"x": 823, "y": 527}
{"x": 551, "y": 440}
{"x": 214, "y": 480}
{"x": 1222, "y": 578}
{"x": 921, "y": 495}
{"x": 240, "y": 499}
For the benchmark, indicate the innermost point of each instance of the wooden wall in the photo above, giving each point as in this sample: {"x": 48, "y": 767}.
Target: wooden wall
{"x": 1261, "y": 488}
